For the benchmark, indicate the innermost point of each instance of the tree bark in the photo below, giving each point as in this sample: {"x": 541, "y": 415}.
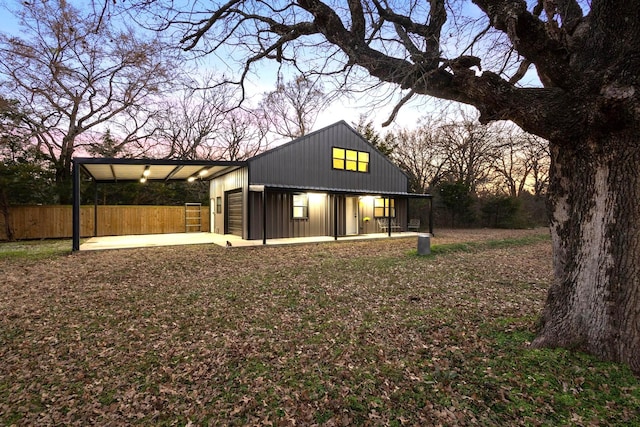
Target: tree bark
{"x": 594, "y": 202}
{"x": 6, "y": 214}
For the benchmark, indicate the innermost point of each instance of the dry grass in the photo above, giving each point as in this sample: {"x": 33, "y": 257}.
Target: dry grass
{"x": 363, "y": 333}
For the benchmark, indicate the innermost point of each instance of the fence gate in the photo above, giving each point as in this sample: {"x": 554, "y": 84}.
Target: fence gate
{"x": 192, "y": 217}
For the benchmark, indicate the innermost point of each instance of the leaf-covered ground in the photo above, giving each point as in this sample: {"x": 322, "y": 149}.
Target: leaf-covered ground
{"x": 358, "y": 333}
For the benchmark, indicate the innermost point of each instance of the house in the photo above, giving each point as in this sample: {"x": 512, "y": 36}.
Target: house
{"x": 331, "y": 182}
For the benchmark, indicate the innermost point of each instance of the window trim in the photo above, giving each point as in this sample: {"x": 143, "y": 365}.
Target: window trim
{"x": 387, "y": 202}
{"x": 300, "y": 201}
{"x": 345, "y": 164}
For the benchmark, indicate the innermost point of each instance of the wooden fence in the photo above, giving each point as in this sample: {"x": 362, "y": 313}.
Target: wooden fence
{"x": 44, "y": 222}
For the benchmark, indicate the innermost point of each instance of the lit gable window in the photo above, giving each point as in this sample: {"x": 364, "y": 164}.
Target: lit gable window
{"x": 363, "y": 161}
{"x": 350, "y": 160}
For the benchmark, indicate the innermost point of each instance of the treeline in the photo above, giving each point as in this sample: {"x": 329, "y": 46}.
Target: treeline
{"x": 73, "y": 83}
{"x": 479, "y": 175}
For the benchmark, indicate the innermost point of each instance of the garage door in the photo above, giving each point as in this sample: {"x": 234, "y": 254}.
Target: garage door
{"x": 233, "y": 223}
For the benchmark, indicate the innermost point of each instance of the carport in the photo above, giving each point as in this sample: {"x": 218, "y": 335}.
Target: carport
{"x": 110, "y": 170}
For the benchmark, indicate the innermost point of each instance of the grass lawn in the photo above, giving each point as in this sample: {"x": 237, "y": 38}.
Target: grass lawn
{"x": 357, "y": 333}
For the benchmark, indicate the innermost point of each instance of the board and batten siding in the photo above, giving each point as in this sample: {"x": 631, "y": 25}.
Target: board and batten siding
{"x": 232, "y": 181}
{"x": 280, "y": 221}
{"x": 281, "y": 224}
{"x": 307, "y": 163}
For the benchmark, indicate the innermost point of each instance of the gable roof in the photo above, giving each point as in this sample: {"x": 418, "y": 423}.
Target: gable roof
{"x": 338, "y": 124}
{"x": 306, "y": 162}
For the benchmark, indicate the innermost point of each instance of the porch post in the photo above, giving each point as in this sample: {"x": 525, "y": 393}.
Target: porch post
{"x": 431, "y": 215}
{"x": 335, "y": 217}
{"x": 95, "y": 209}
{"x": 408, "y": 206}
{"x": 388, "y": 216}
{"x": 75, "y": 245}
{"x": 264, "y": 216}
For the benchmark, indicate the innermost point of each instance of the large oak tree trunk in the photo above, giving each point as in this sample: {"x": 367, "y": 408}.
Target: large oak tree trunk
{"x": 594, "y": 202}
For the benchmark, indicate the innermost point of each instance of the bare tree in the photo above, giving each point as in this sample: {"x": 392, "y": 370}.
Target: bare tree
{"x": 192, "y": 121}
{"x": 292, "y": 109}
{"x": 204, "y": 122}
{"x": 523, "y": 162}
{"x": 77, "y": 76}
{"x": 564, "y": 70}
{"x": 469, "y": 149}
{"x": 243, "y": 135}
{"x": 420, "y": 153}
{"x": 539, "y": 158}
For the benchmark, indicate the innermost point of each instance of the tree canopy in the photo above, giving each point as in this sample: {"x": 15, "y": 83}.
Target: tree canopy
{"x": 76, "y": 73}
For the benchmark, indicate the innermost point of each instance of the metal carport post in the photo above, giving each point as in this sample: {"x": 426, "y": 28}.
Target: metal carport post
{"x": 75, "y": 245}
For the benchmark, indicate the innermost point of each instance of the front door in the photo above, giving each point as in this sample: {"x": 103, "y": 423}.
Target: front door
{"x": 351, "y": 214}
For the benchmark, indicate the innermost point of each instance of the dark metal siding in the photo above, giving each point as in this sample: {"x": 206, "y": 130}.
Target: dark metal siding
{"x": 307, "y": 163}
{"x": 402, "y": 206}
{"x": 320, "y": 222}
{"x": 280, "y": 223}
{"x": 255, "y": 215}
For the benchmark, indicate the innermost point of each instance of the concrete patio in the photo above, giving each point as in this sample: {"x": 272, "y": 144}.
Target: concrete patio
{"x": 175, "y": 239}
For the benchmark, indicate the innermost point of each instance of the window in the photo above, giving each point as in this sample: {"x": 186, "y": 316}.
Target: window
{"x": 381, "y": 207}
{"x": 338, "y": 158}
{"x": 351, "y": 160}
{"x": 300, "y": 206}
{"x": 219, "y": 205}
{"x": 363, "y": 161}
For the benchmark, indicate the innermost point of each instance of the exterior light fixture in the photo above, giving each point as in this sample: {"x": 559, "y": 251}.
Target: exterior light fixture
{"x": 145, "y": 173}
{"x": 203, "y": 172}
{"x": 191, "y": 179}
{"x": 366, "y": 199}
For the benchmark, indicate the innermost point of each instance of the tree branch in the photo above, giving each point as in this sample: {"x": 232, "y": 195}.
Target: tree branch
{"x": 357, "y": 19}
{"x": 195, "y": 37}
{"x": 531, "y": 39}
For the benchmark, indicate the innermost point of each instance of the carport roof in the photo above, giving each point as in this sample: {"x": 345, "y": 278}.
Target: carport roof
{"x": 123, "y": 170}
